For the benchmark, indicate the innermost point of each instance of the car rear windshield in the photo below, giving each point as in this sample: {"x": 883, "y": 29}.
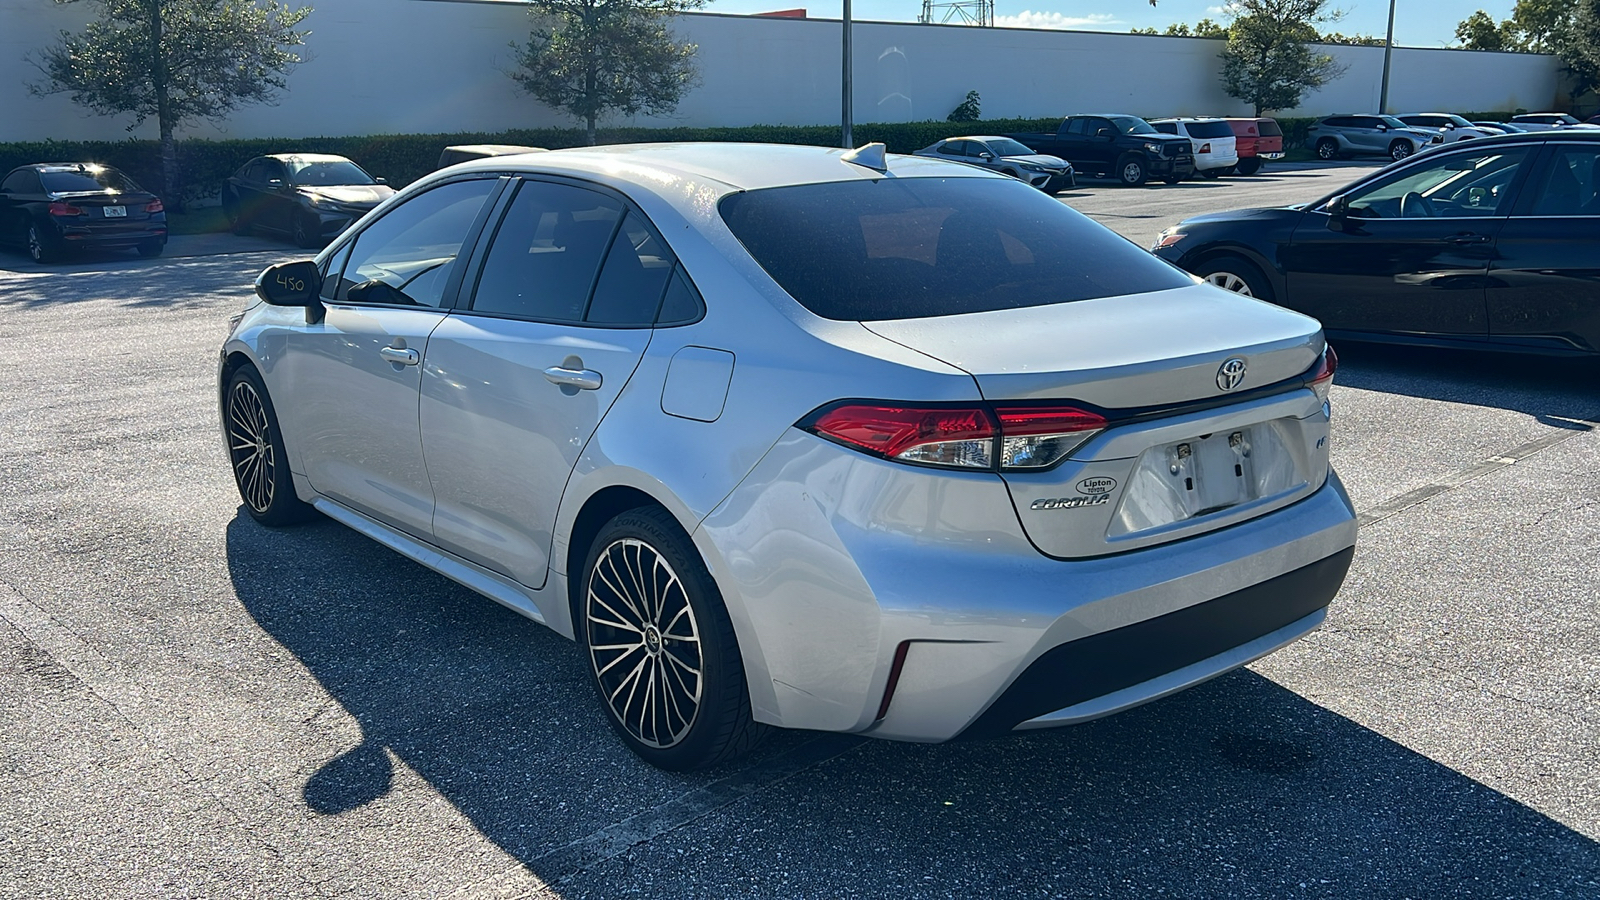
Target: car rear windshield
{"x": 1269, "y": 127}
{"x": 87, "y": 180}
{"x": 894, "y": 248}
{"x": 1209, "y": 129}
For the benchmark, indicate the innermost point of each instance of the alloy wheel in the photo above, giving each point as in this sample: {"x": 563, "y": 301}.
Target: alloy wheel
{"x": 1400, "y": 150}
{"x": 250, "y": 446}
{"x": 36, "y": 249}
{"x": 1230, "y": 282}
{"x": 644, "y": 643}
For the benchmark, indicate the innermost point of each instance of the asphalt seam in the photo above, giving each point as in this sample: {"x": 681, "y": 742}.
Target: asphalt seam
{"x": 1422, "y": 494}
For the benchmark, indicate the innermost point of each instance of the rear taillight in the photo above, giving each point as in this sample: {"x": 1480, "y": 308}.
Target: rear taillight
{"x": 1321, "y": 378}
{"x": 1010, "y": 438}
{"x": 154, "y": 206}
{"x": 1205, "y": 148}
{"x": 60, "y": 208}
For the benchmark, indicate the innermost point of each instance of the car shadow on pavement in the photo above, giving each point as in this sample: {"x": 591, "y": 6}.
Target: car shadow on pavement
{"x": 1554, "y": 390}
{"x": 1236, "y": 788}
{"x": 134, "y": 282}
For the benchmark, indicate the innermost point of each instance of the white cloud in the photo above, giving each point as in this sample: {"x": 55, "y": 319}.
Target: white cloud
{"x": 1217, "y": 10}
{"x": 1030, "y": 19}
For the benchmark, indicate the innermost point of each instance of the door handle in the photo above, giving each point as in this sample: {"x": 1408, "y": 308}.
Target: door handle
{"x": 1467, "y": 238}
{"x": 400, "y": 356}
{"x": 582, "y": 379}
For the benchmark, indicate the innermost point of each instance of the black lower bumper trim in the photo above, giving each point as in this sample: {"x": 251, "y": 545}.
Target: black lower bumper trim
{"x": 1099, "y": 664}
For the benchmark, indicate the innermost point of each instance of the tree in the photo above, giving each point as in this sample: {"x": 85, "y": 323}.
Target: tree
{"x": 967, "y": 110}
{"x": 175, "y": 61}
{"x": 1479, "y": 31}
{"x": 1358, "y": 40}
{"x": 591, "y": 57}
{"x": 1267, "y": 62}
{"x": 1578, "y": 45}
{"x": 1535, "y": 26}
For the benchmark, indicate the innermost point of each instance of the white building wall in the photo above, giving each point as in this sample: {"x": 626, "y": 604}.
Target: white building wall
{"x": 405, "y": 66}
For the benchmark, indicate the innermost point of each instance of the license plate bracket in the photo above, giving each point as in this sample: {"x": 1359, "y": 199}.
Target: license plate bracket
{"x": 1204, "y": 475}
{"x": 114, "y": 212}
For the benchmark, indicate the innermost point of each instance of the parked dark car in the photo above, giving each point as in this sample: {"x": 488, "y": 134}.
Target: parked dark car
{"x": 1006, "y": 156}
{"x": 461, "y": 153}
{"x": 1125, "y": 147}
{"x": 1260, "y": 140}
{"x": 51, "y": 209}
{"x": 309, "y": 197}
{"x": 1491, "y": 243}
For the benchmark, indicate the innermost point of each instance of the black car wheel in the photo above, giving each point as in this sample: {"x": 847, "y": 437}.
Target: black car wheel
{"x": 1249, "y": 165}
{"x": 662, "y": 652}
{"x": 1327, "y": 148}
{"x": 236, "y": 218}
{"x": 1131, "y": 171}
{"x": 1210, "y": 174}
{"x": 1172, "y": 179}
{"x": 38, "y": 249}
{"x": 1236, "y": 274}
{"x": 1400, "y": 150}
{"x": 151, "y": 249}
{"x": 304, "y": 233}
{"x": 255, "y": 449}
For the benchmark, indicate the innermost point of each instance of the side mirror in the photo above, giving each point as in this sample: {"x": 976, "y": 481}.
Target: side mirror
{"x": 379, "y": 292}
{"x": 275, "y": 182}
{"x": 1105, "y": 133}
{"x": 986, "y": 155}
{"x": 381, "y": 180}
{"x": 1338, "y": 207}
{"x": 1382, "y": 127}
{"x": 291, "y": 284}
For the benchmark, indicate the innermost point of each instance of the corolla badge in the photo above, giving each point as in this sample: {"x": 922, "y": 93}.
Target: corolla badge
{"x": 1231, "y": 374}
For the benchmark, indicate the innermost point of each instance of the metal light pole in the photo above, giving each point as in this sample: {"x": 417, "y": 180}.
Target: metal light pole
{"x": 845, "y": 110}
{"x": 1388, "y": 51}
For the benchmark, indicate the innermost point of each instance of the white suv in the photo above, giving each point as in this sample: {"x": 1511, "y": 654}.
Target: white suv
{"x": 1216, "y": 150}
{"x": 1447, "y": 127}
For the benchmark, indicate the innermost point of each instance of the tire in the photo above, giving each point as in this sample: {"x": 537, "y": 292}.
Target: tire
{"x": 305, "y": 238}
{"x": 1131, "y": 171}
{"x": 256, "y": 455}
{"x": 643, "y": 560}
{"x": 1327, "y": 149}
{"x": 1172, "y": 179}
{"x": 1236, "y": 274}
{"x": 39, "y": 249}
{"x": 152, "y": 249}
{"x": 1399, "y": 150}
{"x": 1211, "y": 174}
{"x": 1249, "y": 165}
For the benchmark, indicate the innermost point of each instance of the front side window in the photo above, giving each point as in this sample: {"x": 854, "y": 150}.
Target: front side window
{"x": 1465, "y": 184}
{"x": 1571, "y": 184}
{"x": 406, "y": 257}
{"x": 547, "y": 253}
{"x": 915, "y": 247}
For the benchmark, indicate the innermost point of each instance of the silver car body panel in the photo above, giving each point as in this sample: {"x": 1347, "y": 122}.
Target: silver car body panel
{"x": 827, "y": 559}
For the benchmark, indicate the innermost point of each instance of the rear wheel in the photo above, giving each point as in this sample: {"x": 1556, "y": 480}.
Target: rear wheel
{"x": 38, "y": 249}
{"x": 1131, "y": 171}
{"x": 150, "y": 249}
{"x": 662, "y": 652}
{"x": 1249, "y": 165}
{"x": 1327, "y": 148}
{"x": 1236, "y": 274}
{"x": 1211, "y": 174}
{"x": 1399, "y": 150}
{"x": 255, "y": 449}
{"x": 1172, "y": 179}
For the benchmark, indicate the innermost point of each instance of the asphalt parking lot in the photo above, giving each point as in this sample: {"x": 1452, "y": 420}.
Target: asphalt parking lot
{"x": 193, "y": 705}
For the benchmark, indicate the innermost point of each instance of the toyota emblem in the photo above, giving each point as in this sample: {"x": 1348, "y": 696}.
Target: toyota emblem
{"x": 1231, "y": 375}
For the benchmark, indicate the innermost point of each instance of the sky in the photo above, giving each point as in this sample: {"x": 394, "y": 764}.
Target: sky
{"x": 1417, "y": 23}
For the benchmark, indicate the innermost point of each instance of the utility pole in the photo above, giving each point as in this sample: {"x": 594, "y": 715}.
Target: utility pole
{"x": 1388, "y": 51}
{"x": 845, "y": 111}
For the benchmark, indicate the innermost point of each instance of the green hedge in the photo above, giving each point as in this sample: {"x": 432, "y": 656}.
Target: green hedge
{"x": 401, "y": 158}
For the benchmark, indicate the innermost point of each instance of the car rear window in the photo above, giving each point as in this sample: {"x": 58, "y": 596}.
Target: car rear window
{"x": 909, "y": 248}
{"x": 103, "y": 179}
{"x": 1269, "y": 127}
{"x": 1209, "y": 129}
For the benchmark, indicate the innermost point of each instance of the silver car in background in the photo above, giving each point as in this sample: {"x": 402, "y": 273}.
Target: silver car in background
{"x": 787, "y": 436}
{"x": 1008, "y": 157}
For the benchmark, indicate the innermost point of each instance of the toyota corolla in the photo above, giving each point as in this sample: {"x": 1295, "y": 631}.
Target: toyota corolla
{"x": 797, "y": 437}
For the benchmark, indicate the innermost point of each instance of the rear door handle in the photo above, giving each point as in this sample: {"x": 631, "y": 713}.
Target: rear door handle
{"x": 1467, "y": 237}
{"x": 582, "y": 379}
{"x": 400, "y": 356}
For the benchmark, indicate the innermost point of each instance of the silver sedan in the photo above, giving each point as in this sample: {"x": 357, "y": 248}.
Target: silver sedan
{"x": 1008, "y": 157}
{"x": 789, "y": 436}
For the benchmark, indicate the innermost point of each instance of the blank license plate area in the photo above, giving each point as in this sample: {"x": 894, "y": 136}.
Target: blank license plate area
{"x": 1203, "y": 475}
{"x": 114, "y": 212}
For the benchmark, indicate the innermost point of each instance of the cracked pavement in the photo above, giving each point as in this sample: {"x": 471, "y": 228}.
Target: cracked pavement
{"x": 195, "y": 706}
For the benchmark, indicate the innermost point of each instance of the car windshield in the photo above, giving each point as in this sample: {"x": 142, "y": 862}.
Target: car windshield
{"x": 327, "y": 172}
{"x": 1392, "y": 122}
{"x": 903, "y": 248}
{"x": 98, "y": 179}
{"x": 1459, "y": 122}
{"x": 1218, "y": 129}
{"x": 1133, "y": 125}
{"x": 1567, "y": 120}
{"x": 1008, "y": 147}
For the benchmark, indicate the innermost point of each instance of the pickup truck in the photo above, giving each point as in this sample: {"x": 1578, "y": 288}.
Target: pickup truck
{"x": 1125, "y": 147}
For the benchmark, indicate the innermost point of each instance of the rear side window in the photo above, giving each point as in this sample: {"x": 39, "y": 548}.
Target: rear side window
{"x": 914, "y": 247}
{"x": 22, "y": 181}
{"x": 633, "y": 279}
{"x": 1207, "y": 130}
{"x": 1166, "y": 127}
{"x": 1571, "y": 185}
{"x": 547, "y": 253}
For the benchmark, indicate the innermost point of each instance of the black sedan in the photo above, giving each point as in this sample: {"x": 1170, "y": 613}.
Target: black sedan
{"x": 308, "y": 197}
{"x": 51, "y": 209}
{"x": 1492, "y": 243}
{"x": 1008, "y": 157}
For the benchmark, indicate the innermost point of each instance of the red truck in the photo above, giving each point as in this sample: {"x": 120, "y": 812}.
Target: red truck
{"x": 1259, "y": 140}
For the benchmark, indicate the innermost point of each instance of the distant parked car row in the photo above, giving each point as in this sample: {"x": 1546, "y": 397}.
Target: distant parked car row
{"x": 1133, "y": 150}
{"x": 1397, "y": 137}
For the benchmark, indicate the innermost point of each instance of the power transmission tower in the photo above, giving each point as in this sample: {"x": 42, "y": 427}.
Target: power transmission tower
{"x": 962, "y": 12}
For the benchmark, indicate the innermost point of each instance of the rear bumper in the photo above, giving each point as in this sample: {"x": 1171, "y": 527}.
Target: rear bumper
{"x": 122, "y": 235}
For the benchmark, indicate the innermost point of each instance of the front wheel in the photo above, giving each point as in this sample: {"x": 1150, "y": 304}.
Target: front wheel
{"x": 1131, "y": 171}
{"x": 255, "y": 449}
{"x": 662, "y": 652}
{"x": 1236, "y": 274}
{"x": 1399, "y": 150}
